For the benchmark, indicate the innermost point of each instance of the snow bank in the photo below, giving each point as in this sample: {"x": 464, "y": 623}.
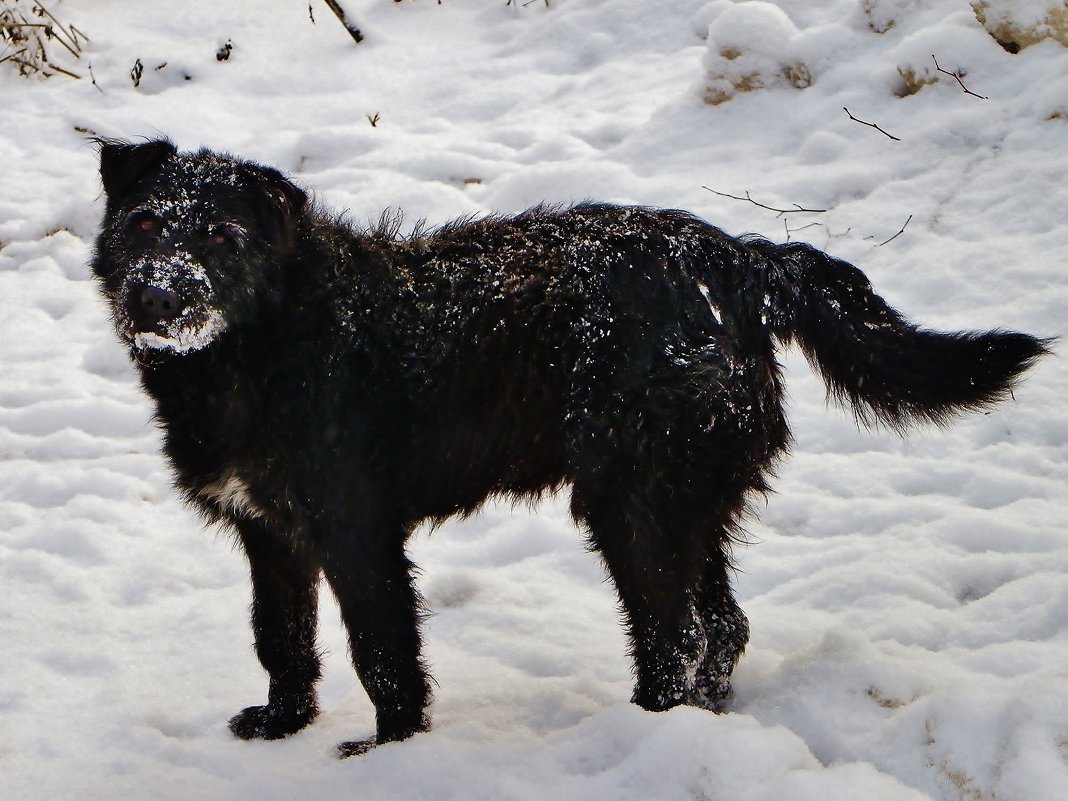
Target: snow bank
{"x": 1017, "y": 24}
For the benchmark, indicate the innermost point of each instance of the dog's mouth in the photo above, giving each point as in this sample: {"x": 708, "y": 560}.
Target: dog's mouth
{"x": 166, "y": 307}
{"x": 183, "y": 338}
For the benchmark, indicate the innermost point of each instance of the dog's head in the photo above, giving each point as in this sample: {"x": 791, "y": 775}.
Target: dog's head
{"x": 189, "y": 241}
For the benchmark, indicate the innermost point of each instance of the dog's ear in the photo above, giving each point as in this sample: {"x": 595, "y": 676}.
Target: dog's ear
{"x": 123, "y": 164}
{"x": 280, "y": 203}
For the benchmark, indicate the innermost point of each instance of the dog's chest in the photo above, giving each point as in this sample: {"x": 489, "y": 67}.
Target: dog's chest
{"x": 224, "y": 443}
{"x": 231, "y": 496}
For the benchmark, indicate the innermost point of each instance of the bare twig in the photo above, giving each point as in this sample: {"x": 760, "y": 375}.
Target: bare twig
{"x": 789, "y": 230}
{"x": 50, "y": 30}
{"x": 339, "y": 12}
{"x": 871, "y": 125}
{"x": 957, "y": 74}
{"x": 778, "y": 212}
{"x": 59, "y": 69}
{"x": 899, "y": 233}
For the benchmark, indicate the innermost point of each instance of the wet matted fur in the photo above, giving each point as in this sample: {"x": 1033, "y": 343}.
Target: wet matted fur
{"x": 324, "y": 389}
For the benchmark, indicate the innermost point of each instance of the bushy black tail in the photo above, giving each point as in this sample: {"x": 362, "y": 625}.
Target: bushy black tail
{"x": 885, "y": 368}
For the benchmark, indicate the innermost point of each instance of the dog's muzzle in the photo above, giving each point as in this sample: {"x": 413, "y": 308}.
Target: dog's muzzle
{"x": 166, "y": 304}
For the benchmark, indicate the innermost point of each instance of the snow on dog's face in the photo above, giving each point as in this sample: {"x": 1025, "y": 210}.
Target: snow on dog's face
{"x": 189, "y": 242}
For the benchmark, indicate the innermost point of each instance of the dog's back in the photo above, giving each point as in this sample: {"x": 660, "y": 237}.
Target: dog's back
{"x": 522, "y": 344}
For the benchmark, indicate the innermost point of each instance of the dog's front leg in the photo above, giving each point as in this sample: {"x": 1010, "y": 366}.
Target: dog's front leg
{"x": 284, "y": 612}
{"x": 371, "y": 577}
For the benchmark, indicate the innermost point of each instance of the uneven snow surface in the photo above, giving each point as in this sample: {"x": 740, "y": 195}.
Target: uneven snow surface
{"x": 908, "y": 598}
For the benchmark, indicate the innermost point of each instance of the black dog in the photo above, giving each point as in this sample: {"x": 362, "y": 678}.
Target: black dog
{"x": 324, "y": 389}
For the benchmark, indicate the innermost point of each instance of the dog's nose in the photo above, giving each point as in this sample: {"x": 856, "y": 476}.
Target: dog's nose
{"x": 157, "y": 304}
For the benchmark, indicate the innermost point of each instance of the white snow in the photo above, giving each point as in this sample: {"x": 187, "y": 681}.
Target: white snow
{"x": 908, "y": 598}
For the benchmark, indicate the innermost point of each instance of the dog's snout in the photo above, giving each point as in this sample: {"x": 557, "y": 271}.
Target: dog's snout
{"x": 158, "y": 303}
{"x": 152, "y": 305}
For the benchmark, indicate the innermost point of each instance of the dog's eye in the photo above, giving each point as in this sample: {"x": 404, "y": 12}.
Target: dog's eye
{"x": 224, "y": 236}
{"x": 147, "y": 224}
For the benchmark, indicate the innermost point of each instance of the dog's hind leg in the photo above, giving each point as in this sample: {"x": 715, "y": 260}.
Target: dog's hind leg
{"x": 656, "y": 584}
{"x": 661, "y": 483}
{"x": 371, "y": 579}
{"x": 687, "y": 632}
{"x": 726, "y": 630}
{"x": 284, "y": 612}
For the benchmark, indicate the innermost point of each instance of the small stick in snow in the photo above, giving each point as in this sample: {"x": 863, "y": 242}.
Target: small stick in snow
{"x": 957, "y": 75}
{"x": 50, "y": 31}
{"x": 63, "y": 71}
{"x": 779, "y": 212}
{"x": 871, "y": 125}
{"x": 339, "y": 12}
{"x": 789, "y": 230}
{"x": 899, "y": 233}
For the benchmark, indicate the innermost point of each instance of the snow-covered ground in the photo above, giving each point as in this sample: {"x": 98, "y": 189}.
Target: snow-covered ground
{"x": 908, "y": 598}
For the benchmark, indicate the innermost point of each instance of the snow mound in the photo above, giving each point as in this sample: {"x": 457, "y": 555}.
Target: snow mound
{"x": 1017, "y": 24}
{"x": 752, "y": 45}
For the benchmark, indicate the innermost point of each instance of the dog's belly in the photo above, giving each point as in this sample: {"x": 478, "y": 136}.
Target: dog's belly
{"x": 471, "y": 458}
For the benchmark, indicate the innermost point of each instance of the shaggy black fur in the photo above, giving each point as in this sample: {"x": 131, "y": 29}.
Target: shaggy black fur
{"x": 324, "y": 389}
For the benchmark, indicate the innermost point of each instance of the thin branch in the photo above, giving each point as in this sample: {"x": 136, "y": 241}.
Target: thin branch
{"x": 871, "y": 125}
{"x": 339, "y": 12}
{"x": 16, "y": 58}
{"x": 957, "y": 75}
{"x": 73, "y": 46}
{"x": 790, "y": 230}
{"x": 778, "y": 212}
{"x": 899, "y": 233}
{"x": 65, "y": 72}
{"x": 76, "y": 33}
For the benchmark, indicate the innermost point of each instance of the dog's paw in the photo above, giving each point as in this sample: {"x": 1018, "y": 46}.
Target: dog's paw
{"x": 712, "y": 693}
{"x": 270, "y": 722}
{"x": 355, "y": 747}
{"x": 391, "y": 734}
